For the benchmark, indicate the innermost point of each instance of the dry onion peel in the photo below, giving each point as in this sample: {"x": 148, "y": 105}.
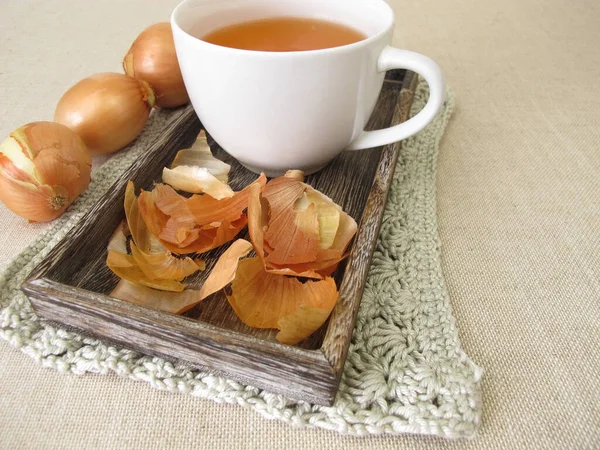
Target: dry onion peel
{"x": 44, "y": 166}
{"x": 281, "y": 223}
{"x": 196, "y": 170}
{"x": 259, "y": 295}
{"x": 293, "y": 236}
{"x": 200, "y": 241}
{"x": 125, "y": 265}
{"x": 346, "y": 225}
{"x": 328, "y": 215}
{"x": 179, "y": 239}
{"x": 258, "y": 217}
{"x": 294, "y": 175}
{"x": 316, "y": 270}
{"x": 137, "y": 227}
{"x": 118, "y": 240}
{"x": 173, "y": 205}
{"x": 107, "y": 110}
{"x": 197, "y": 224}
{"x": 165, "y": 266}
{"x": 153, "y": 217}
{"x": 265, "y": 300}
{"x": 180, "y": 233}
{"x": 196, "y": 180}
{"x": 199, "y": 154}
{"x": 206, "y": 209}
{"x": 224, "y": 271}
{"x": 149, "y": 263}
{"x": 301, "y": 324}
{"x": 150, "y": 255}
{"x": 172, "y": 302}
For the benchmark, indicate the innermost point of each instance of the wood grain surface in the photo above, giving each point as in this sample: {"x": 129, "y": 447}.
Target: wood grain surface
{"x": 70, "y": 286}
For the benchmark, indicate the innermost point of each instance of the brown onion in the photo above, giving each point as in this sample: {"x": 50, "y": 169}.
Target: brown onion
{"x": 44, "y": 166}
{"x": 108, "y": 110}
{"x": 152, "y": 58}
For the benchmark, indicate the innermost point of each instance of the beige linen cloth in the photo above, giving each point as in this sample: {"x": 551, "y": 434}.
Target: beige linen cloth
{"x": 518, "y": 210}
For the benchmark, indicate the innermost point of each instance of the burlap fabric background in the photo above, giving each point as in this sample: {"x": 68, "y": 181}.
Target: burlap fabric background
{"x": 518, "y": 208}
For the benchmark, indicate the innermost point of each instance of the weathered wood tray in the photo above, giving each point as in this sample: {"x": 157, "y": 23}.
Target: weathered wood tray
{"x": 71, "y": 286}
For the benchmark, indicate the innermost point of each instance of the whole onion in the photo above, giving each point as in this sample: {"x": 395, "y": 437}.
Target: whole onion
{"x": 108, "y": 110}
{"x": 152, "y": 58}
{"x": 44, "y": 166}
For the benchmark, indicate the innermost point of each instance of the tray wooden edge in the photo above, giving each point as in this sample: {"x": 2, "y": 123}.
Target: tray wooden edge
{"x": 242, "y": 357}
{"x": 341, "y": 323}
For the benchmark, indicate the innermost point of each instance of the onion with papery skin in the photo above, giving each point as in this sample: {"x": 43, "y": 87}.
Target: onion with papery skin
{"x": 108, "y": 110}
{"x": 152, "y": 58}
{"x": 44, "y": 166}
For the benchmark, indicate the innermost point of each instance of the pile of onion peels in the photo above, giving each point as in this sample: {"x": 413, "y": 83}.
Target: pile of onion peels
{"x": 298, "y": 235}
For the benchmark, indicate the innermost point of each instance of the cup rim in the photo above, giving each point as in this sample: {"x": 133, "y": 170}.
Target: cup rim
{"x": 299, "y": 53}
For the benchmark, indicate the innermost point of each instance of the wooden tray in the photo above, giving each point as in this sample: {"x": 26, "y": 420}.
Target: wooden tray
{"x": 70, "y": 286}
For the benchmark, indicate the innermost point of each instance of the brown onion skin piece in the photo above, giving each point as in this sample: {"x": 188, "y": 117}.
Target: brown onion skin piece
{"x": 107, "y": 110}
{"x": 152, "y": 58}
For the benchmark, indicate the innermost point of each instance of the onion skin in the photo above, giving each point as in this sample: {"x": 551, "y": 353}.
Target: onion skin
{"x": 108, "y": 110}
{"x": 152, "y": 58}
{"x": 44, "y": 166}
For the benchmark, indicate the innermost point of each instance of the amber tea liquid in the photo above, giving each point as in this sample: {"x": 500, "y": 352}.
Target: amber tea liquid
{"x": 284, "y": 34}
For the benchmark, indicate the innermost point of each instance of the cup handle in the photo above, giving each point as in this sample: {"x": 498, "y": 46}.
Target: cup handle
{"x": 393, "y": 58}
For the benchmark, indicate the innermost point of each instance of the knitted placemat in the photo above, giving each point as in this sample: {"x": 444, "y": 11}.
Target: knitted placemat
{"x": 405, "y": 371}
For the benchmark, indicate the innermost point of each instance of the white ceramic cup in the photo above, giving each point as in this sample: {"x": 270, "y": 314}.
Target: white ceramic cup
{"x": 275, "y": 111}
